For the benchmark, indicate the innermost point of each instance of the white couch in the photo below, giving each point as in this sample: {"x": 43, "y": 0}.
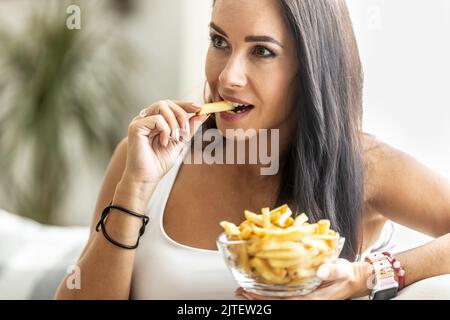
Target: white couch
{"x": 34, "y": 257}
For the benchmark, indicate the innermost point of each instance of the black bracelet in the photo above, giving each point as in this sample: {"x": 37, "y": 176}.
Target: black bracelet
{"x": 103, "y": 217}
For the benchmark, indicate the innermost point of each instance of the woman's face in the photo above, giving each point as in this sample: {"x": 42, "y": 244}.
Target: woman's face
{"x": 251, "y": 60}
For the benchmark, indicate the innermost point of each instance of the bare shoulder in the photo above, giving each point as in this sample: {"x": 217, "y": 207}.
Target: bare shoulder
{"x": 384, "y": 162}
{"x": 374, "y": 148}
{"x": 381, "y": 163}
{"x": 402, "y": 189}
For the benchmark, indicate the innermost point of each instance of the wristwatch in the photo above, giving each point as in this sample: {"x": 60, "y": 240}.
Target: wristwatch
{"x": 386, "y": 287}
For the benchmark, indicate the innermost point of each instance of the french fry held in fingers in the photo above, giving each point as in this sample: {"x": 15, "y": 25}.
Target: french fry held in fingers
{"x": 215, "y": 107}
{"x": 279, "y": 248}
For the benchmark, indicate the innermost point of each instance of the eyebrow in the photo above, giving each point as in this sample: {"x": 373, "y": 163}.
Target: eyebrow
{"x": 247, "y": 38}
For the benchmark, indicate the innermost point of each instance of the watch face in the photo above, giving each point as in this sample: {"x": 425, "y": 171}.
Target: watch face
{"x": 385, "y": 294}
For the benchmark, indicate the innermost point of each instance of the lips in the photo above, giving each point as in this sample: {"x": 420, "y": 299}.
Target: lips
{"x": 240, "y": 105}
{"x": 242, "y": 109}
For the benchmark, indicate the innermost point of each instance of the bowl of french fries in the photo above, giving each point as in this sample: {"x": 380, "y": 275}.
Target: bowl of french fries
{"x": 277, "y": 254}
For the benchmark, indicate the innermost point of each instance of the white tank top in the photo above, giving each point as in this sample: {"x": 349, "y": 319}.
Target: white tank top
{"x": 165, "y": 269}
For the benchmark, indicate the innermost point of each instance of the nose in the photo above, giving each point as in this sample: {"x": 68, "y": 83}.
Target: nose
{"x": 233, "y": 75}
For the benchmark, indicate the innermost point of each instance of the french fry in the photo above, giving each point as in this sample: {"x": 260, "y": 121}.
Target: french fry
{"x": 300, "y": 220}
{"x": 284, "y": 263}
{"x": 308, "y": 228}
{"x": 215, "y": 107}
{"x": 230, "y": 228}
{"x": 254, "y": 218}
{"x": 296, "y": 272}
{"x": 283, "y": 245}
{"x": 296, "y": 235}
{"x": 244, "y": 224}
{"x": 242, "y": 259}
{"x": 289, "y": 222}
{"x": 316, "y": 243}
{"x": 320, "y": 259}
{"x": 280, "y": 272}
{"x": 266, "y": 272}
{"x": 332, "y": 243}
{"x": 283, "y": 217}
{"x": 280, "y": 209}
{"x": 279, "y": 254}
{"x": 246, "y": 233}
{"x": 268, "y": 232}
{"x": 253, "y": 248}
{"x": 266, "y": 218}
{"x": 324, "y": 226}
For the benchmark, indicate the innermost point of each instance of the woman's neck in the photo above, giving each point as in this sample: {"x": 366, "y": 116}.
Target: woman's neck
{"x": 263, "y": 158}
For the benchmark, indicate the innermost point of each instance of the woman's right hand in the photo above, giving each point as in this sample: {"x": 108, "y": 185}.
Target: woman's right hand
{"x": 154, "y": 140}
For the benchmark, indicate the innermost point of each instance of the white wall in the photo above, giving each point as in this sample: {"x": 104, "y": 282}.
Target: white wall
{"x": 405, "y": 48}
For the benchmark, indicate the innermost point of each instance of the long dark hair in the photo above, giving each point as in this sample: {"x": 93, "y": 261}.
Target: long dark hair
{"x": 323, "y": 173}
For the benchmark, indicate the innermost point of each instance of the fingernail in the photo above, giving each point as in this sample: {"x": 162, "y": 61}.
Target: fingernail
{"x": 187, "y": 127}
{"x": 323, "y": 272}
{"x": 174, "y": 134}
{"x": 166, "y": 142}
{"x": 184, "y": 135}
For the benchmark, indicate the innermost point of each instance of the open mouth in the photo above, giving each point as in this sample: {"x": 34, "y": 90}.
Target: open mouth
{"x": 239, "y": 108}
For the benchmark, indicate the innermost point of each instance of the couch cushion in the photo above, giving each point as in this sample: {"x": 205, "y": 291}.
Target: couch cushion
{"x": 34, "y": 257}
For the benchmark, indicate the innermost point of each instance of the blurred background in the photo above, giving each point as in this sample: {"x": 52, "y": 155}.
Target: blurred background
{"x": 74, "y": 74}
{"x": 67, "y": 95}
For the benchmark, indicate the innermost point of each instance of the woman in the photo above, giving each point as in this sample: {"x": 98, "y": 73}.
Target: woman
{"x": 296, "y": 63}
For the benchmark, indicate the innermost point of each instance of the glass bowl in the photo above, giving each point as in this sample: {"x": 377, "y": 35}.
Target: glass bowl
{"x": 236, "y": 256}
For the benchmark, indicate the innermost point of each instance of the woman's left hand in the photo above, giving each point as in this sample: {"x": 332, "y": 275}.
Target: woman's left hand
{"x": 341, "y": 280}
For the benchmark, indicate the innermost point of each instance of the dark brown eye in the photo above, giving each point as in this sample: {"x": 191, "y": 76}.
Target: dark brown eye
{"x": 218, "y": 42}
{"x": 263, "y": 52}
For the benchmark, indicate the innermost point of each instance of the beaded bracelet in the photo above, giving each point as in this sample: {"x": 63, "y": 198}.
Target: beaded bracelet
{"x": 396, "y": 265}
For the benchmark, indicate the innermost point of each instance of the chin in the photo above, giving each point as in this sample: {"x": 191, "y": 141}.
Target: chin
{"x": 237, "y": 131}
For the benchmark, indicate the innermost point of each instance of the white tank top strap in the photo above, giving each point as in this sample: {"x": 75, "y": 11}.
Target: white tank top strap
{"x": 385, "y": 241}
{"x": 165, "y": 184}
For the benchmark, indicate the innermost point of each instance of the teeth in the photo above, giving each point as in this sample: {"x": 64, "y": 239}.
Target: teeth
{"x": 239, "y": 105}
{"x": 236, "y": 112}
